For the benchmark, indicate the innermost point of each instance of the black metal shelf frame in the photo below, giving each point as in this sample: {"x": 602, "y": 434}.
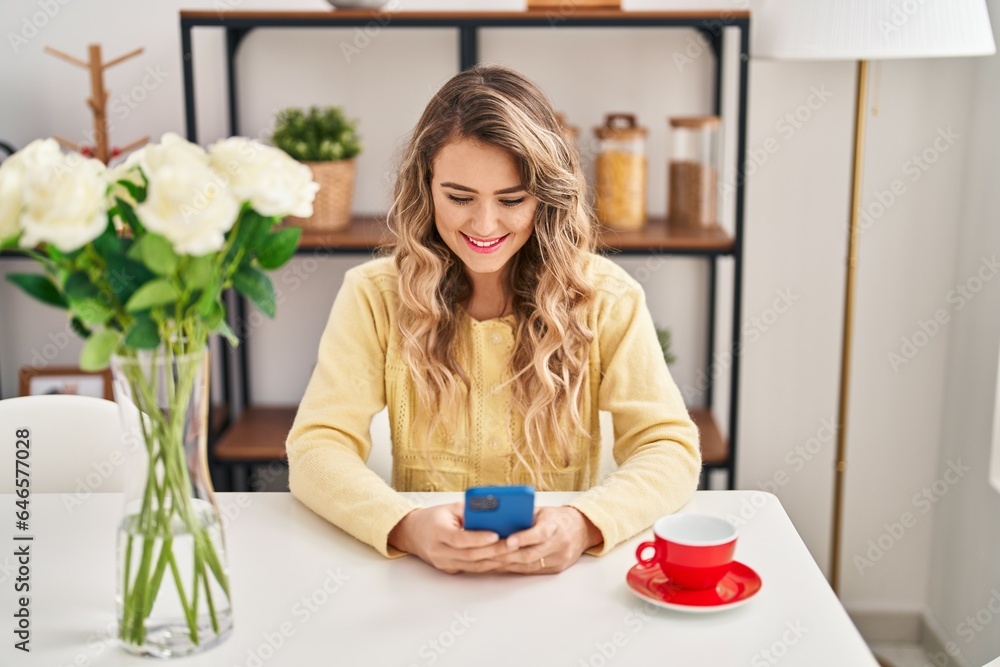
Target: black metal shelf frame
{"x": 711, "y": 27}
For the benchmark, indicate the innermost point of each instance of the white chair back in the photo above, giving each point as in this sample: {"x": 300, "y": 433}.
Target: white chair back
{"x": 74, "y": 444}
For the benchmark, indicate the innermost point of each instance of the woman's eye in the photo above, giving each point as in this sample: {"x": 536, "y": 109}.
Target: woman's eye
{"x": 511, "y": 202}
{"x": 462, "y": 201}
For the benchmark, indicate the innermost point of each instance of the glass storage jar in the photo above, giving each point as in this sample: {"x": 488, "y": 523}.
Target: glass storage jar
{"x": 693, "y": 172}
{"x": 620, "y": 169}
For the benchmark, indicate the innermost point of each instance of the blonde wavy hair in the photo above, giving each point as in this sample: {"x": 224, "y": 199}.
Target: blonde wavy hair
{"x": 551, "y": 297}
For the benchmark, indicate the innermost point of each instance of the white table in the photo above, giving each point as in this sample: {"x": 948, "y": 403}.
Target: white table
{"x": 305, "y": 594}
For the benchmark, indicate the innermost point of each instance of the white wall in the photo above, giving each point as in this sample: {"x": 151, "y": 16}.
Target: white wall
{"x": 796, "y": 241}
{"x": 965, "y": 568}
{"x": 796, "y": 212}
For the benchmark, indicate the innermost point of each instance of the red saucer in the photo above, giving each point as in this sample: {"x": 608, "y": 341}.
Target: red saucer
{"x": 739, "y": 585}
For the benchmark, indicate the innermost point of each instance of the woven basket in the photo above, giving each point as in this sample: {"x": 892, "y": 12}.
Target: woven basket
{"x": 332, "y": 206}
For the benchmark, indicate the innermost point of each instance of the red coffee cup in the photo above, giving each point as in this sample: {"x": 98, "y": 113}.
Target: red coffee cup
{"x": 693, "y": 550}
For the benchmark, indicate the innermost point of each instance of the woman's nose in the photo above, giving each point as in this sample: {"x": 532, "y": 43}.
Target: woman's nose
{"x": 486, "y": 220}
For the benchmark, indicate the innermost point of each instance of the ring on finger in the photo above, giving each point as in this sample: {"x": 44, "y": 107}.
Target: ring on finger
{"x": 541, "y": 563}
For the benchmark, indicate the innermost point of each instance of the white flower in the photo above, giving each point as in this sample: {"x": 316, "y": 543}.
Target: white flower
{"x": 34, "y": 155}
{"x": 11, "y": 198}
{"x": 39, "y": 153}
{"x": 273, "y": 183}
{"x": 172, "y": 150}
{"x": 64, "y": 198}
{"x": 187, "y": 204}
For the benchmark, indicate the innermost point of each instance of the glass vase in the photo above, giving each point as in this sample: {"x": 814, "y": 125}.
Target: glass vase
{"x": 173, "y": 594}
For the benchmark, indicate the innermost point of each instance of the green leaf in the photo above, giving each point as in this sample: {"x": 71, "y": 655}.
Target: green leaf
{"x": 39, "y": 287}
{"x": 78, "y": 326}
{"x": 224, "y": 330}
{"x": 257, "y": 287}
{"x": 155, "y": 252}
{"x": 251, "y": 230}
{"x": 257, "y": 229}
{"x": 154, "y": 293}
{"x": 319, "y": 134}
{"x": 136, "y": 191}
{"x": 279, "y": 247}
{"x": 128, "y": 216}
{"x": 214, "y": 316}
{"x": 78, "y": 287}
{"x": 59, "y": 256}
{"x": 97, "y": 351}
{"x": 143, "y": 334}
{"x": 125, "y": 277}
{"x": 108, "y": 245}
{"x": 200, "y": 271}
{"x": 91, "y": 311}
{"x": 205, "y": 303}
{"x": 11, "y": 242}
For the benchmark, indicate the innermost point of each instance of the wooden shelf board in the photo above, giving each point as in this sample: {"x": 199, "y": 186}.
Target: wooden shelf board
{"x": 545, "y": 14}
{"x": 260, "y": 433}
{"x": 658, "y": 235}
{"x": 368, "y": 232}
{"x": 257, "y": 435}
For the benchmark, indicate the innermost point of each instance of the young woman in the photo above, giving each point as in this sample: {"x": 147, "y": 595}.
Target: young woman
{"x": 494, "y": 334}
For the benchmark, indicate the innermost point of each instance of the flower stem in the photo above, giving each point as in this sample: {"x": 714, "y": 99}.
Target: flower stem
{"x": 168, "y": 492}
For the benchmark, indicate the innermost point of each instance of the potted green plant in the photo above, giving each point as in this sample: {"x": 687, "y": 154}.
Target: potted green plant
{"x": 664, "y": 337}
{"x": 326, "y": 141}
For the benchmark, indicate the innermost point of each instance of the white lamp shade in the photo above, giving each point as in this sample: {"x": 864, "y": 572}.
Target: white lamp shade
{"x": 870, "y": 29}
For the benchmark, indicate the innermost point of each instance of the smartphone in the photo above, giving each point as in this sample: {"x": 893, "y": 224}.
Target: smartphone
{"x": 503, "y": 509}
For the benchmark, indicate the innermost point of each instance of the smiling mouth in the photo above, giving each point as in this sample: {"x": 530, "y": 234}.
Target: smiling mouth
{"x": 485, "y": 244}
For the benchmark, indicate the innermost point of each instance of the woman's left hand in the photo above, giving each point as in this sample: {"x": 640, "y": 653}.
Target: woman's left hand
{"x": 556, "y": 541}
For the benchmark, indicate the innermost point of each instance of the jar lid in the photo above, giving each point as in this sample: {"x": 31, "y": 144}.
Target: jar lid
{"x": 696, "y": 122}
{"x": 620, "y": 126}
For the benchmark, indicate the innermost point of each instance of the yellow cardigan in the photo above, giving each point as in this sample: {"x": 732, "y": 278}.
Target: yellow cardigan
{"x": 359, "y": 371}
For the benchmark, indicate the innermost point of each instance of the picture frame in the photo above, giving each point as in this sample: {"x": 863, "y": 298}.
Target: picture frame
{"x": 35, "y": 381}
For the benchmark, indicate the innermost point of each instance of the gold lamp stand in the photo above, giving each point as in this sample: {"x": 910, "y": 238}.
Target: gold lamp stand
{"x": 840, "y": 463}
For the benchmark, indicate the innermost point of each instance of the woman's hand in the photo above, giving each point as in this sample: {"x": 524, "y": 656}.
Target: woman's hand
{"x": 556, "y": 541}
{"x": 435, "y": 535}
